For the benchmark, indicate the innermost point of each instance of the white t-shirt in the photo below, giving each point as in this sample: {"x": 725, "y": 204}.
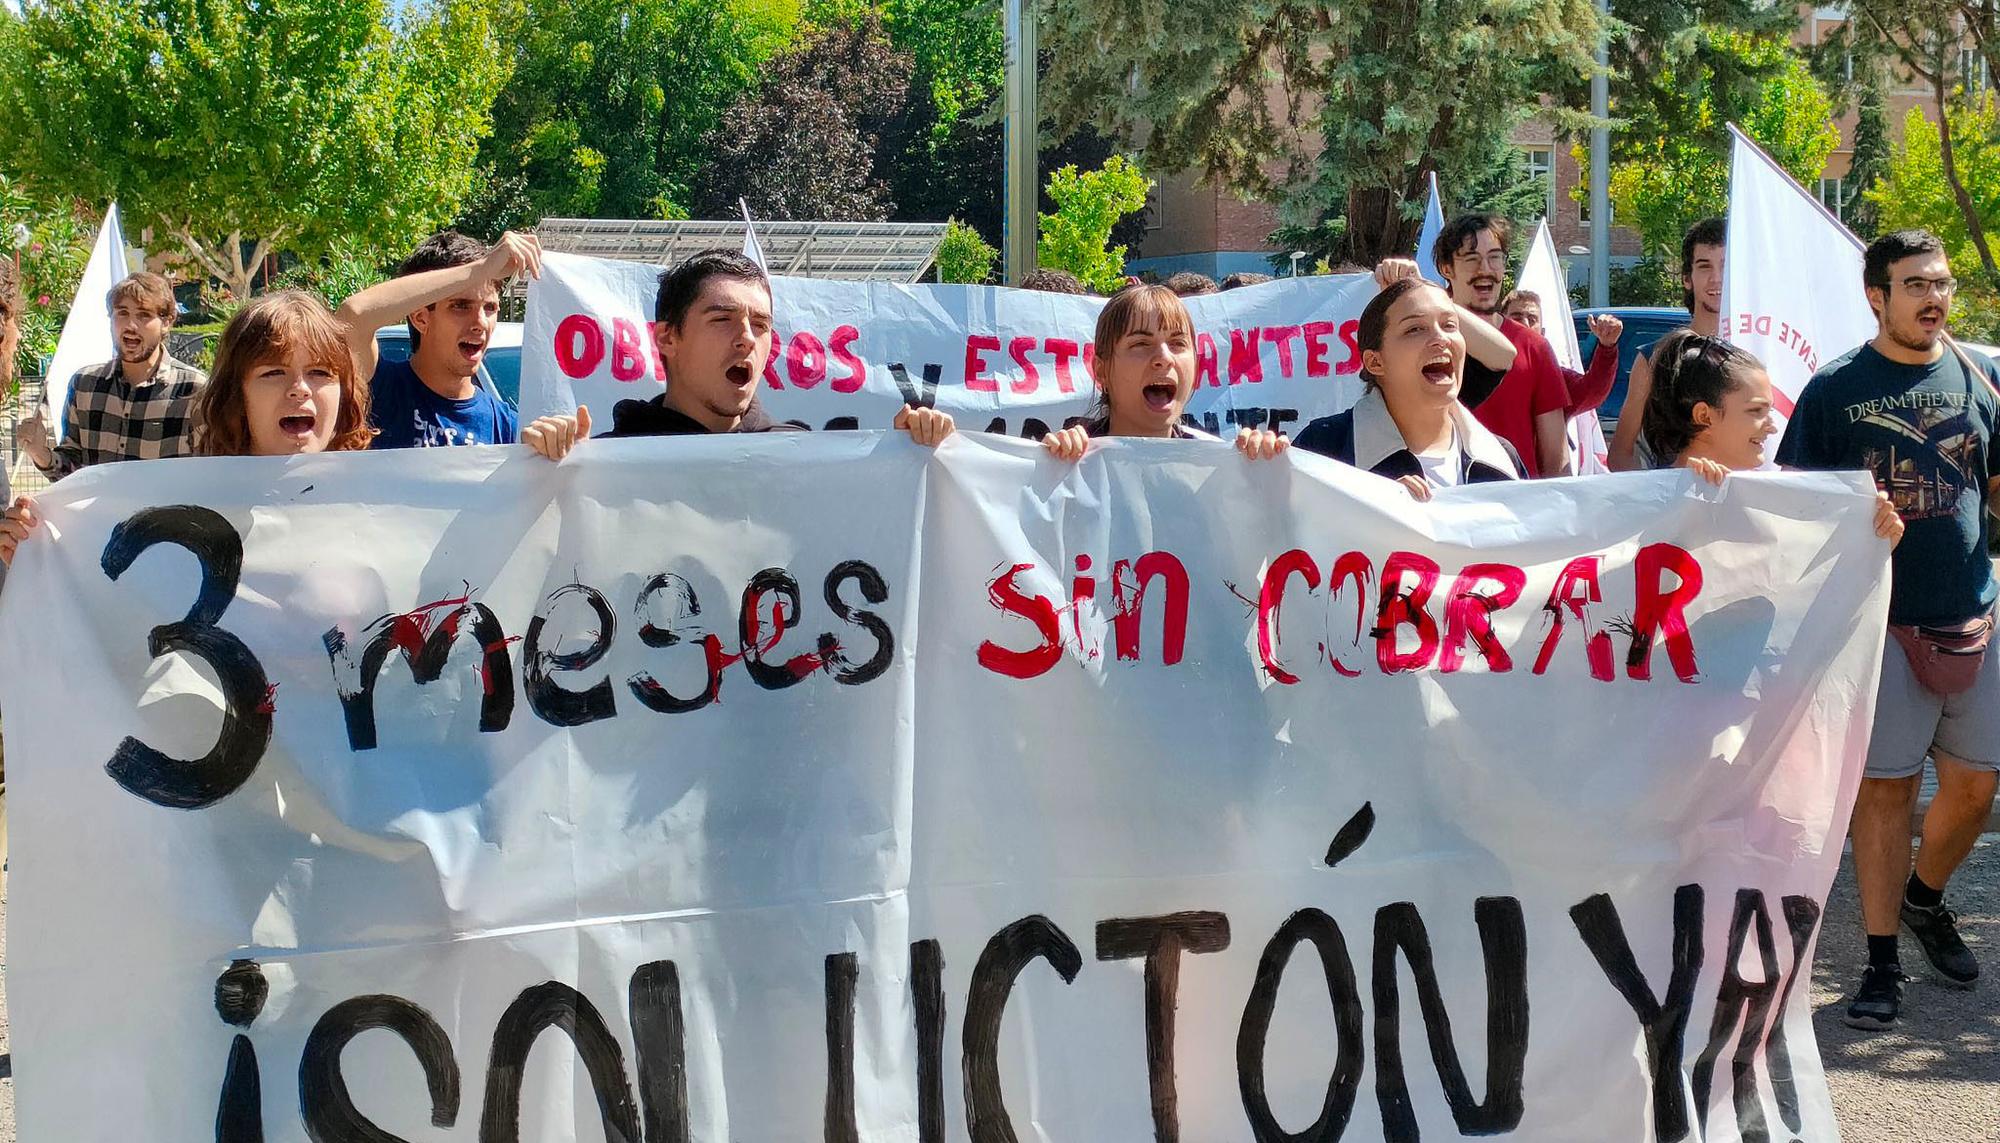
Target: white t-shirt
{"x": 1442, "y": 469}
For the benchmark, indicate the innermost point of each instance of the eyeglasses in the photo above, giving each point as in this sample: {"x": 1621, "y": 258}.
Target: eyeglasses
{"x": 1925, "y": 287}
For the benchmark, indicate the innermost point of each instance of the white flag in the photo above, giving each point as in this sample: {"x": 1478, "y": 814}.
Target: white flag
{"x": 1542, "y": 274}
{"x": 1427, "y": 237}
{"x": 1791, "y": 286}
{"x": 752, "y": 249}
{"x": 86, "y": 336}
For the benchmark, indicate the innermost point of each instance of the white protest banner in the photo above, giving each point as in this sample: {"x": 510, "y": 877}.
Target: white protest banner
{"x": 1542, "y": 274}
{"x": 850, "y": 354}
{"x": 1791, "y": 285}
{"x": 86, "y": 333}
{"x": 822, "y": 787}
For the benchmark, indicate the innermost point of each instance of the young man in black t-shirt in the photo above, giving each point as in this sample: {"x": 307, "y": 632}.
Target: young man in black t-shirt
{"x": 1918, "y": 412}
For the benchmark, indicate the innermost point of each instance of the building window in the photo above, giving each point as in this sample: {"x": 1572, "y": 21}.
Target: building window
{"x": 1833, "y": 193}
{"x": 1541, "y": 164}
{"x": 1972, "y": 71}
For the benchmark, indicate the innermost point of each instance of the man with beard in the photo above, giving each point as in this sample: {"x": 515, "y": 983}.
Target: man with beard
{"x": 1918, "y": 411}
{"x": 135, "y": 408}
{"x": 448, "y": 290}
{"x": 1525, "y": 402}
{"x": 1702, "y": 253}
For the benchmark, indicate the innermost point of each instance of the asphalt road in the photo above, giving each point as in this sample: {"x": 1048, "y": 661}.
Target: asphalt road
{"x": 1936, "y": 1079}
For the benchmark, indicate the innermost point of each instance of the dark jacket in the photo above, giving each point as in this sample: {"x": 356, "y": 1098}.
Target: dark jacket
{"x": 1365, "y": 436}
{"x": 653, "y": 419}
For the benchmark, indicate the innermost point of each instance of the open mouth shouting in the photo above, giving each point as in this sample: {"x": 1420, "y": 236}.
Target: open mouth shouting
{"x": 1931, "y": 319}
{"x": 741, "y": 375}
{"x": 298, "y": 426}
{"x": 472, "y": 349}
{"x": 1160, "y": 396}
{"x": 131, "y": 347}
{"x": 1441, "y": 371}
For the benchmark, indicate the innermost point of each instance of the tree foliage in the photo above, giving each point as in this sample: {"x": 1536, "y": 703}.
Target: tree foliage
{"x": 1937, "y": 44}
{"x": 802, "y": 144}
{"x": 1666, "y": 182}
{"x": 1392, "y": 91}
{"x": 1088, "y": 204}
{"x": 964, "y": 256}
{"x": 1914, "y": 192}
{"x": 238, "y": 129}
{"x": 610, "y": 103}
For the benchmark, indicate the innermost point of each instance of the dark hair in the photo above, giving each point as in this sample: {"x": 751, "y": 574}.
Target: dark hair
{"x": 1520, "y": 296}
{"x": 1047, "y": 281}
{"x": 1707, "y": 232}
{"x": 268, "y": 329}
{"x": 1374, "y": 324}
{"x": 148, "y": 290}
{"x": 680, "y": 286}
{"x": 1891, "y": 248}
{"x": 441, "y": 251}
{"x": 1188, "y": 284}
{"x": 1465, "y": 228}
{"x": 1238, "y": 281}
{"x": 1689, "y": 369}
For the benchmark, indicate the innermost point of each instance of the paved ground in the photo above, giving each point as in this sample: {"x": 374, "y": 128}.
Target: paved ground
{"x": 1934, "y": 1080}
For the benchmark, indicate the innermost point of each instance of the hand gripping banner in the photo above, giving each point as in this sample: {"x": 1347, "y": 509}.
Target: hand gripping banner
{"x": 826, "y": 788}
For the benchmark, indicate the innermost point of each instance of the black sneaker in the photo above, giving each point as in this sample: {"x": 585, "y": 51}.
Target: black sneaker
{"x": 1937, "y": 930}
{"x": 1879, "y": 998}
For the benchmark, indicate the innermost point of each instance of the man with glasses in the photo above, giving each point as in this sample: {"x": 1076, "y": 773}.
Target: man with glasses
{"x": 1918, "y": 411}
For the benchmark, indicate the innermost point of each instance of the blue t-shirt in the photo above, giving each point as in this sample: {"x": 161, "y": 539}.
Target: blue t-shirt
{"x": 1925, "y": 432}
{"x": 410, "y": 415}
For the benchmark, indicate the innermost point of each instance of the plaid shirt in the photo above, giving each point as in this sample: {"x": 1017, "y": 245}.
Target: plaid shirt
{"x": 109, "y": 418}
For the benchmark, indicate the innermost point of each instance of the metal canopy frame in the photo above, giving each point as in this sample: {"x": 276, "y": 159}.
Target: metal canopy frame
{"x": 852, "y": 251}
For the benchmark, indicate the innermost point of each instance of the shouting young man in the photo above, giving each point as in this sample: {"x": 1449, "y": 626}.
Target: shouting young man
{"x": 1918, "y": 412}
{"x": 449, "y": 292}
{"x": 137, "y": 407}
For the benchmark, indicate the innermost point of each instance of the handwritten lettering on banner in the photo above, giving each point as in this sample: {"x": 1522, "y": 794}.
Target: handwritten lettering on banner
{"x": 651, "y": 748}
{"x": 850, "y": 354}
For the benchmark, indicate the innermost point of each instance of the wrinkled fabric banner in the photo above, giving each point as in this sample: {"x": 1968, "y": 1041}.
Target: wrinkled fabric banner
{"x": 824, "y": 787}
{"x": 850, "y": 354}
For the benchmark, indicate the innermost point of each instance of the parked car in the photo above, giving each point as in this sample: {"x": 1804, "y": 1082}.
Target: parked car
{"x": 1644, "y": 325}
{"x": 499, "y": 370}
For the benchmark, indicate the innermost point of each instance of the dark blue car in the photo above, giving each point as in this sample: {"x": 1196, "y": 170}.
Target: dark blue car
{"x": 1644, "y": 325}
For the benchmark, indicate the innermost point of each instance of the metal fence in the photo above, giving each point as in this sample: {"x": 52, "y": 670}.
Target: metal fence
{"x": 24, "y": 478}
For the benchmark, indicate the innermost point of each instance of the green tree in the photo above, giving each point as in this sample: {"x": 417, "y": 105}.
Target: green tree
{"x": 236, "y": 129}
{"x": 52, "y": 241}
{"x": 1870, "y": 163}
{"x": 1394, "y": 91}
{"x": 964, "y": 256}
{"x": 801, "y": 145}
{"x": 1948, "y": 47}
{"x": 1668, "y": 181}
{"x": 1077, "y": 237}
{"x": 610, "y": 102}
{"x": 1915, "y": 192}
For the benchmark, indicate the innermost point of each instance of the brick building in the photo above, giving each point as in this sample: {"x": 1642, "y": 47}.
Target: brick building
{"x": 1195, "y": 227}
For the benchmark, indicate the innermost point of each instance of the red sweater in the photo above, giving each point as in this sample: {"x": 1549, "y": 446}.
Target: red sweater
{"x": 1533, "y": 386}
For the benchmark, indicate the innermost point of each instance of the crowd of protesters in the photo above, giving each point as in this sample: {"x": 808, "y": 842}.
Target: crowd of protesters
{"x": 1461, "y": 387}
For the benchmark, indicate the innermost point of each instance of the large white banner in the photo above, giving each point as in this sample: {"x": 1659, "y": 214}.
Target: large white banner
{"x": 822, "y": 787}
{"x": 1791, "y": 284}
{"x": 849, "y": 354}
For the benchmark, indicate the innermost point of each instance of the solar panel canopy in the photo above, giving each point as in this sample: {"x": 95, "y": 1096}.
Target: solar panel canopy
{"x": 852, "y": 251}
